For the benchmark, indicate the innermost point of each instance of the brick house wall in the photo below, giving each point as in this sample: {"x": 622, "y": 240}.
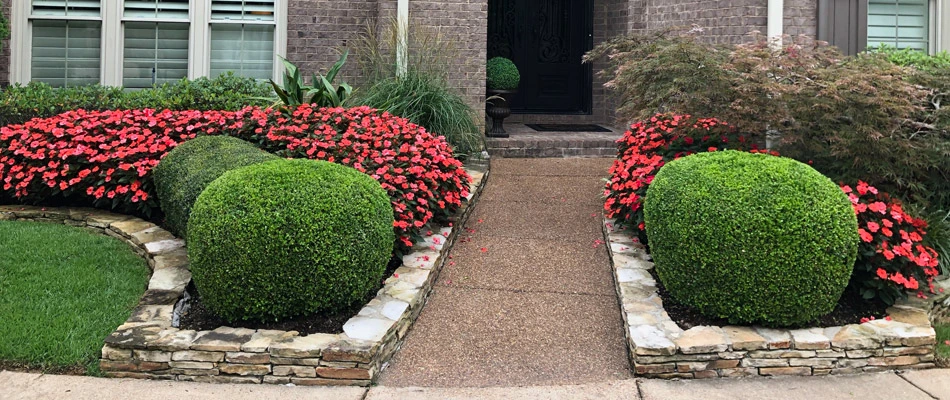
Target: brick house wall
{"x": 5, "y": 47}
{"x": 722, "y": 21}
{"x": 317, "y": 30}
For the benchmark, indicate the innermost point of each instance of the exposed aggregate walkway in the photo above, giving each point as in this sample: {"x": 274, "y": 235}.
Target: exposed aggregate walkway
{"x": 528, "y": 297}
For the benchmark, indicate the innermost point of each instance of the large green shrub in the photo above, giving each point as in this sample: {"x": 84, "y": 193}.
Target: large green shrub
{"x": 289, "y": 237}
{"x": 853, "y": 117}
{"x": 20, "y": 103}
{"x": 502, "y": 74}
{"x": 750, "y": 237}
{"x": 188, "y": 169}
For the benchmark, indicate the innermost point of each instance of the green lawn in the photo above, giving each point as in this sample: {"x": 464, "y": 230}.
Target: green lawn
{"x": 62, "y": 291}
{"x": 943, "y": 349}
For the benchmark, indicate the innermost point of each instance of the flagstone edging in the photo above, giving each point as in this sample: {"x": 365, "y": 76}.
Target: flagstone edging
{"x": 658, "y": 348}
{"x": 147, "y": 346}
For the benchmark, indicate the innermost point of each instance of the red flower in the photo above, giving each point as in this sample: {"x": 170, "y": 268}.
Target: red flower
{"x": 889, "y": 263}
{"x": 104, "y": 158}
{"x": 881, "y": 273}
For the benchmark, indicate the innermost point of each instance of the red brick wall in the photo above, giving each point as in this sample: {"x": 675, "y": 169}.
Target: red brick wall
{"x": 5, "y": 47}
{"x": 722, "y": 21}
{"x": 318, "y": 30}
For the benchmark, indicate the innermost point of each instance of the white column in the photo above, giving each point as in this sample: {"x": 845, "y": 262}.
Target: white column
{"x": 113, "y": 46}
{"x": 402, "y": 36}
{"x": 20, "y": 43}
{"x": 776, "y": 21}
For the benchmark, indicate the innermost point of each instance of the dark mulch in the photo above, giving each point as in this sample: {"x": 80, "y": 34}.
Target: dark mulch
{"x": 198, "y": 317}
{"x": 850, "y": 309}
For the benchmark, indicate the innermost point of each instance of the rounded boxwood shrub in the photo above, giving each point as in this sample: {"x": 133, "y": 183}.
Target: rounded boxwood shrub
{"x": 185, "y": 171}
{"x": 289, "y": 237}
{"x": 751, "y": 237}
{"x": 502, "y": 74}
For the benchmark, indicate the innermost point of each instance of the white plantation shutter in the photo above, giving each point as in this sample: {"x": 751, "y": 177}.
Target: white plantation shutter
{"x": 248, "y": 50}
{"x": 66, "y": 53}
{"x": 243, "y": 37}
{"x": 242, "y": 10}
{"x": 159, "y": 9}
{"x": 155, "y": 52}
{"x": 899, "y": 23}
{"x": 66, "y": 8}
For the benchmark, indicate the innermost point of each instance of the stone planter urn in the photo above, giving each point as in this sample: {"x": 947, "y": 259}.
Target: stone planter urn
{"x": 498, "y": 109}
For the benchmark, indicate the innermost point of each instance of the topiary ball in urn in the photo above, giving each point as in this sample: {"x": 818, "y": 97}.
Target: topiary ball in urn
{"x": 502, "y": 79}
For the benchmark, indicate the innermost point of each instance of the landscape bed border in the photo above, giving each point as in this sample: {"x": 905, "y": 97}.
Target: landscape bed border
{"x": 147, "y": 346}
{"x": 658, "y": 348}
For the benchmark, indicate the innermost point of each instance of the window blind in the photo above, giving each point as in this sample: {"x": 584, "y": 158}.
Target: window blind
{"x": 66, "y": 8}
{"x": 160, "y": 9}
{"x": 155, "y": 53}
{"x": 899, "y": 23}
{"x": 242, "y": 10}
{"x": 66, "y": 53}
{"x": 248, "y": 50}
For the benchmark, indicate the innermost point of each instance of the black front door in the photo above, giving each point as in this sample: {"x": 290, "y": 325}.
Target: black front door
{"x": 546, "y": 40}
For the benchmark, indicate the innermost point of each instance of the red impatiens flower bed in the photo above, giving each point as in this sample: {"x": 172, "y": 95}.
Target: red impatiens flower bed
{"x": 649, "y": 145}
{"x": 891, "y": 258}
{"x": 104, "y": 158}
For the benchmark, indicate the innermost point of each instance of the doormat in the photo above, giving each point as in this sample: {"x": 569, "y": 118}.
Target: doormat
{"x": 568, "y": 128}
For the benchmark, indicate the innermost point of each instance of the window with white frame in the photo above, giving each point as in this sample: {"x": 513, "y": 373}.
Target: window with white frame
{"x": 66, "y": 42}
{"x": 141, "y": 43}
{"x": 901, "y": 24}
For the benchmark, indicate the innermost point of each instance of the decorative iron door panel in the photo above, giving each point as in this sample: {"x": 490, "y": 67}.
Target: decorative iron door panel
{"x": 546, "y": 40}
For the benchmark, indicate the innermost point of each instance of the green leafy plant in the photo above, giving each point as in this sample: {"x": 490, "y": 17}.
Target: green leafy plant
{"x": 21, "y": 103}
{"x": 752, "y": 238}
{"x": 428, "y": 102}
{"x": 422, "y": 94}
{"x": 4, "y": 27}
{"x": 321, "y": 91}
{"x": 852, "y": 118}
{"x": 188, "y": 169}
{"x": 289, "y": 237}
{"x": 502, "y": 74}
{"x": 938, "y": 237}
{"x": 915, "y": 58}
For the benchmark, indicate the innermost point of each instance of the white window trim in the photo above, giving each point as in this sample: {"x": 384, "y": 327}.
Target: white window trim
{"x": 199, "y": 52}
{"x": 942, "y": 33}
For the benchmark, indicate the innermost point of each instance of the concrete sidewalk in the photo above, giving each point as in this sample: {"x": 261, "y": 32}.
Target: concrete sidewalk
{"x": 528, "y": 297}
{"x": 914, "y": 385}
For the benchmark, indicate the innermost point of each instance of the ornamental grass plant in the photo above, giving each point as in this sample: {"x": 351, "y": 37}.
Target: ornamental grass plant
{"x": 422, "y": 93}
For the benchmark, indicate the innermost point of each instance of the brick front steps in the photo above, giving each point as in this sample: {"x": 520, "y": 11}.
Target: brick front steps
{"x": 149, "y": 346}
{"x": 527, "y": 143}
{"x": 658, "y": 348}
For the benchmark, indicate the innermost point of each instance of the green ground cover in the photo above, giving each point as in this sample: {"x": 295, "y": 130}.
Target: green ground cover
{"x": 62, "y": 291}
{"x": 943, "y": 343}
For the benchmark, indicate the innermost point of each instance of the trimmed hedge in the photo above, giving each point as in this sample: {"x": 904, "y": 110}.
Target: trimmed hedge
{"x": 289, "y": 237}
{"x": 21, "y": 103}
{"x": 188, "y": 169}
{"x": 502, "y": 74}
{"x": 752, "y": 238}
